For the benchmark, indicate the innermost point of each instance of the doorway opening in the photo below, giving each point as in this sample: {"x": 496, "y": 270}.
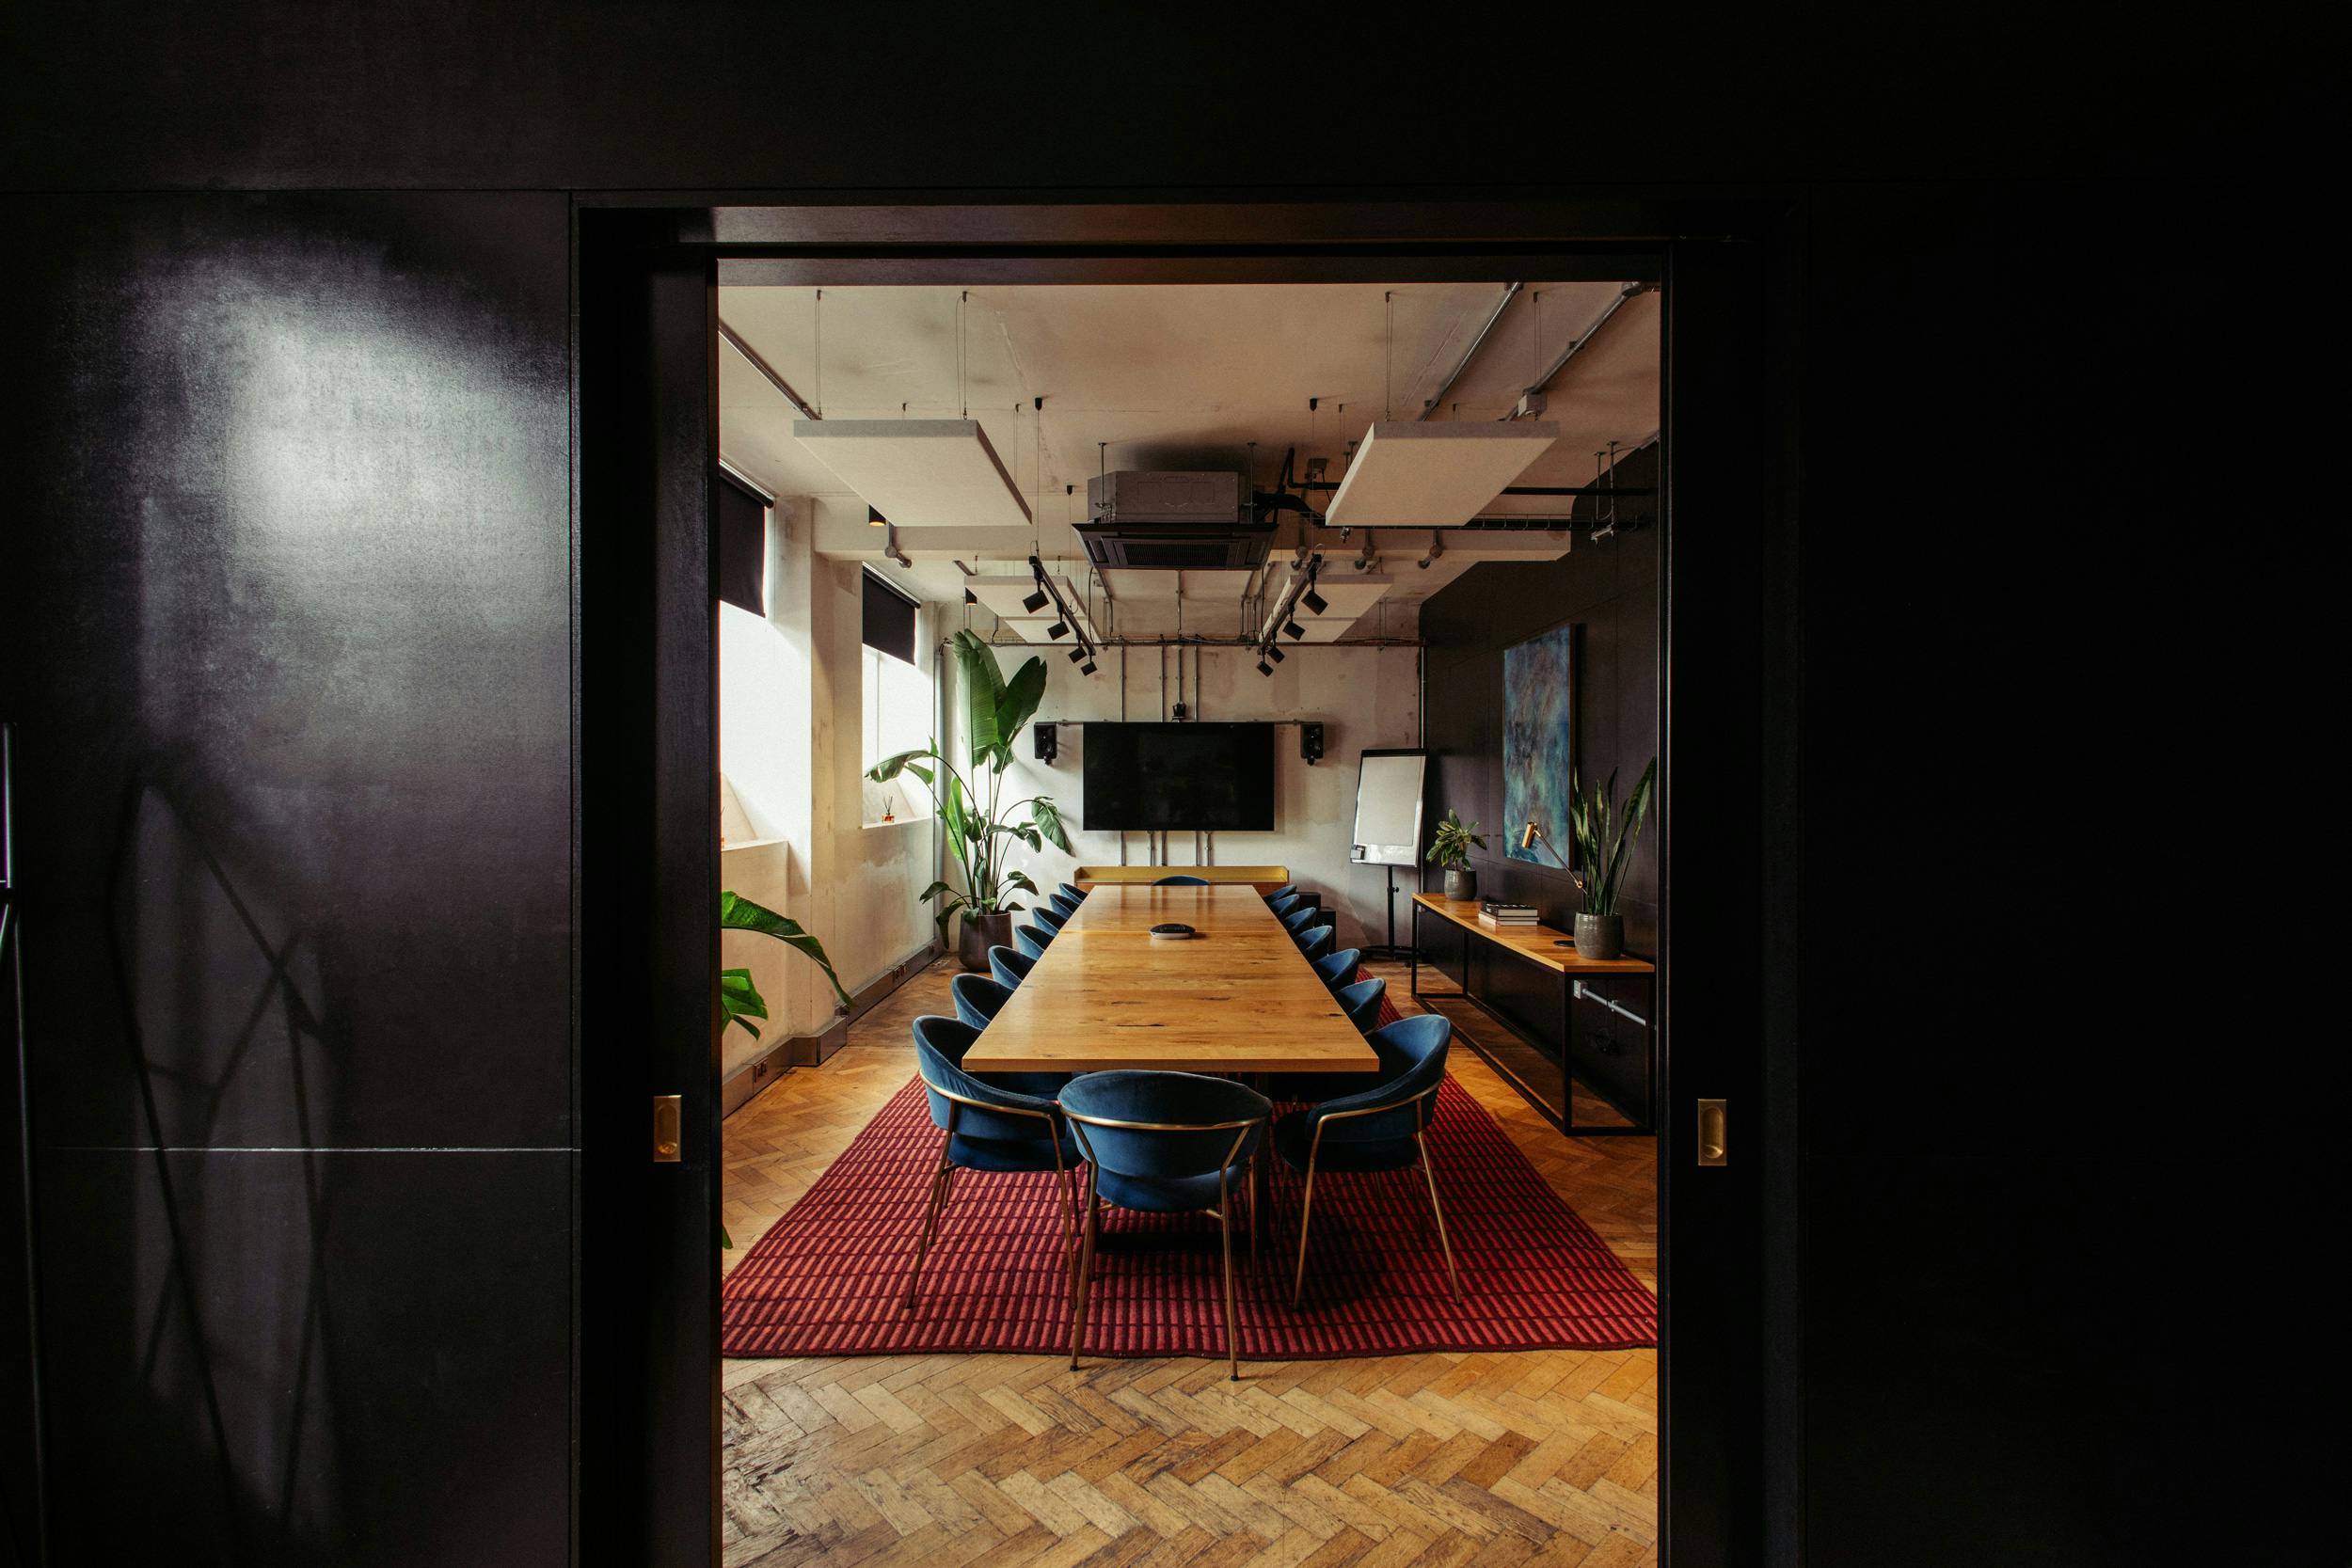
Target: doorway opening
{"x": 799, "y": 1413}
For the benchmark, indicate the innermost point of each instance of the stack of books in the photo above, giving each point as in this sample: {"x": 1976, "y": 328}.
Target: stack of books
{"x": 1494, "y": 913}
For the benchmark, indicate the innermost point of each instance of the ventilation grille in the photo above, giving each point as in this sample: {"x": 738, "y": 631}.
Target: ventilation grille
{"x": 1165, "y": 548}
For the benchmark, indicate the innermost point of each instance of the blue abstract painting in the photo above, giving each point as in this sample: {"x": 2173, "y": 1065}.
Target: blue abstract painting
{"x": 1538, "y": 743}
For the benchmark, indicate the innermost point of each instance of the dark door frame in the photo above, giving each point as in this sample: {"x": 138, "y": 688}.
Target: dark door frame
{"x": 646, "y": 269}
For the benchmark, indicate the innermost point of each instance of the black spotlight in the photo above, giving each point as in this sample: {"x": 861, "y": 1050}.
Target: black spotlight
{"x": 1088, "y": 667}
{"x": 1058, "y": 630}
{"x": 1294, "y": 629}
{"x": 1273, "y": 651}
{"x": 1078, "y": 655}
{"x": 1035, "y": 602}
{"x": 1316, "y": 604}
{"x": 1263, "y": 668}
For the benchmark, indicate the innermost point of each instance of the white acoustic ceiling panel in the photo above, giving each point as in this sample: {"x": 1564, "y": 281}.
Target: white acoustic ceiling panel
{"x": 918, "y": 473}
{"x": 1212, "y": 586}
{"x": 1435, "y": 475}
{"x": 1347, "y": 597}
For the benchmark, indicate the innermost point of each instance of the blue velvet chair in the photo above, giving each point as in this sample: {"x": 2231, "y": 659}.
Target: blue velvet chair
{"x": 1005, "y": 1121}
{"x": 1031, "y": 941}
{"x": 1049, "y": 917}
{"x": 1061, "y": 904}
{"x": 1286, "y": 906}
{"x": 1285, "y": 891}
{"x": 1316, "y": 943}
{"x": 1380, "y": 1127}
{"x": 1009, "y": 965}
{"x": 1361, "y": 1001}
{"x": 1164, "y": 1143}
{"x": 978, "y": 998}
{"x": 1071, "y": 891}
{"x": 1181, "y": 882}
{"x": 1299, "y": 919}
{"x": 1339, "y": 969}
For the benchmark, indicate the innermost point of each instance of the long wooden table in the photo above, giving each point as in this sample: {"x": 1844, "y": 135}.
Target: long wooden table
{"x": 1237, "y": 998}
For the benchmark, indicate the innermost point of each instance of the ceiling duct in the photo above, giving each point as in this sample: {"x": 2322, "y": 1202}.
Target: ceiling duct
{"x": 1143, "y": 520}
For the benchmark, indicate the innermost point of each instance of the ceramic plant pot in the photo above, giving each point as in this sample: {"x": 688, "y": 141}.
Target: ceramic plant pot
{"x": 1600, "y": 936}
{"x": 1460, "y": 883}
{"x": 975, "y": 934}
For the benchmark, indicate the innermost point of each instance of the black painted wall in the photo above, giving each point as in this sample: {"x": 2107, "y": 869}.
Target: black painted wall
{"x": 284, "y": 628}
{"x": 284, "y": 609}
{"x": 1607, "y": 588}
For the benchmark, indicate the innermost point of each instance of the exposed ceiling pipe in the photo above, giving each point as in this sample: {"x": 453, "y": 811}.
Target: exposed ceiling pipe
{"x": 1576, "y": 344}
{"x": 799, "y": 404}
{"x": 1510, "y": 292}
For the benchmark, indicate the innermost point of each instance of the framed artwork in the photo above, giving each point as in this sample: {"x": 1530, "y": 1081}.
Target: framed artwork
{"x": 1538, "y": 743}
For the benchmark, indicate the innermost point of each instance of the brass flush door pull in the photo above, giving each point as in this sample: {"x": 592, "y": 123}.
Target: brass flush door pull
{"x": 1710, "y": 1132}
{"x": 665, "y": 1129}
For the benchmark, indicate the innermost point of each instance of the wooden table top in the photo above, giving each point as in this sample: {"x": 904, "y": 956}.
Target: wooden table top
{"x": 1538, "y": 944}
{"x": 1239, "y": 997}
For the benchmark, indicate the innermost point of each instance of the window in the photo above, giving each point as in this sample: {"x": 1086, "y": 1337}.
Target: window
{"x": 897, "y": 702}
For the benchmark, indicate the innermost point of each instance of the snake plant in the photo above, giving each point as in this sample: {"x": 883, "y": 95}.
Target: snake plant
{"x": 1604, "y": 835}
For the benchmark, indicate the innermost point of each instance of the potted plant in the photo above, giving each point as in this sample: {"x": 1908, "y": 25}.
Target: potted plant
{"x": 739, "y": 1001}
{"x": 1604, "y": 835}
{"x": 980, "y": 832}
{"x": 1450, "y": 847}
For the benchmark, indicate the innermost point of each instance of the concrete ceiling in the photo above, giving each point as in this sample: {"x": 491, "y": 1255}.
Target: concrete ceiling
{"x": 1177, "y": 377}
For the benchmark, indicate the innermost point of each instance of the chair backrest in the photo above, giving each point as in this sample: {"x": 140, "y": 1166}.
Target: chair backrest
{"x": 1339, "y": 969}
{"x": 978, "y": 998}
{"x": 1360, "y": 1002}
{"x": 1050, "y": 917}
{"x": 1071, "y": 891}
{"x": 1299, "y": 919}
{"x": 1031, "y": 941}
{"x": 1316, "y": 942}
{"x": 1062, "y": 904}
{"x": 1285, "y": 891}
{"x": 1284, "y": 905}
{"x": 1412, "y": 1055}
{"x": 940, "y": 1045}
{"x": 1181, "y": 882}
{"x": 1162, "y": 1124}
{"x": 1009, "y": 965}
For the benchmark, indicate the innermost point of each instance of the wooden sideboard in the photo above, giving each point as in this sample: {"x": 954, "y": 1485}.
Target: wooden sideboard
{"x": 1266, "y": 879}
{"x": 1569, "y": 1019}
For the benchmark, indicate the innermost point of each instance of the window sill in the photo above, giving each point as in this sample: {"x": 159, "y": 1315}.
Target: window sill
{"x": 898, "y": 822}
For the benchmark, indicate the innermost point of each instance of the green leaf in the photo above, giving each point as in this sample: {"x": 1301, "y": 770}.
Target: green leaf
{"x": 983, "y": 697}
{"x": 1047, "y": 816}
{"x": 1019, "y": 700}
{"x": 1021, "y": 880}
{"x": 890, "y": 767}
{"x": 740, "y": 914}
{"x": 739, "y": 1001}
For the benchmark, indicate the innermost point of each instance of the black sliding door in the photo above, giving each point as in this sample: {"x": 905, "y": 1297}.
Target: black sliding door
{"x": 284, "y": 638}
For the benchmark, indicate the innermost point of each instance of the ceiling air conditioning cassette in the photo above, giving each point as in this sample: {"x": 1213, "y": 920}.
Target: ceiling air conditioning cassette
{"x": 1173, "y": 522}
{"x": 1142, "y": 496}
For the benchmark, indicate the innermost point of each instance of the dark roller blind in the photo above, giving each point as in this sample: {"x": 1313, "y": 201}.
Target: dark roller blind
{"x": 889, "y": 620}
{"x": 743, "y": 547}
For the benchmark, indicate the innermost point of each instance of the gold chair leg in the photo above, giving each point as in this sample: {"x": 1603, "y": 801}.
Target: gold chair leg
{"x": 1253, "y": 1224}
{"x": 1306, "y": 1210}
{"x": 1232, "y": 1311}
{"x": 1067, "y": 1181}
{"x": 1086, "y": 1273}
{"x": 940, "y": 1178}
{"x": 1437, "y": 1208}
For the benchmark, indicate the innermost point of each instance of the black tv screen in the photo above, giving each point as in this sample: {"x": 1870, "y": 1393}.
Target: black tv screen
{"x": 1147, "y": 778}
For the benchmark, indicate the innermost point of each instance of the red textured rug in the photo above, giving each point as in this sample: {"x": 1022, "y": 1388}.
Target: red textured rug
{"x": 828, "y": 1277}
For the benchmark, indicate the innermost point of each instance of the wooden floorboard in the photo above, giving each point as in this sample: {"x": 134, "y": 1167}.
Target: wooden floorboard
{"x": 1534, "y": 1457}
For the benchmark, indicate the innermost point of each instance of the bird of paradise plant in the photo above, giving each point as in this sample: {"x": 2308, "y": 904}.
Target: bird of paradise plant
{"x": 981, "y": 828}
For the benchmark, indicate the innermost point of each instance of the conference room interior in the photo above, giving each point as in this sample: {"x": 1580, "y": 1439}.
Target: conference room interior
{"x": 1447, "y": 1337}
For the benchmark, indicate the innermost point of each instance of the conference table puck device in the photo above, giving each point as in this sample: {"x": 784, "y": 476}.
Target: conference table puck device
{"x": 1170, "y": 930}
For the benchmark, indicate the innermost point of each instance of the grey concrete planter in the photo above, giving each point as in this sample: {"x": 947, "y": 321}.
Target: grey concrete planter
{"x": 1600, "y": 936}
{"x": 1460, "y": 883}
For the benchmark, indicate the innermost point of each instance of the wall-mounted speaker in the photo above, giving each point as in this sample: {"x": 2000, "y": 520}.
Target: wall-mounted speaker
{"x": 1048, "y": 742}
{"x": 1311, "y": 743}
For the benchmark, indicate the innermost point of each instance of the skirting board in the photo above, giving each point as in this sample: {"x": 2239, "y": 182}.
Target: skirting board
{"x": 781, "y": 1056}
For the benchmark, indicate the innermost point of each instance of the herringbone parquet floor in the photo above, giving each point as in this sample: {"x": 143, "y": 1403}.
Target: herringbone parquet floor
{"x": 1429, "y": 1461}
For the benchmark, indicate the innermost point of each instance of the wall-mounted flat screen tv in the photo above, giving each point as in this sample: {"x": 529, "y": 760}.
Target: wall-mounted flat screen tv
{"x": 1152, "y": 778}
